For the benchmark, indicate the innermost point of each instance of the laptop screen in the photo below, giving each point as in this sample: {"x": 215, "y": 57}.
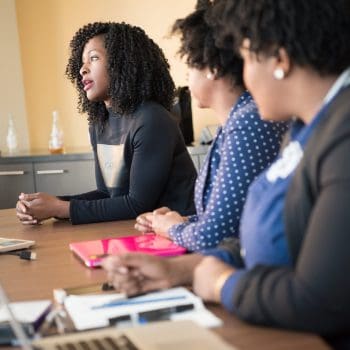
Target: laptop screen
{"x": 16, "y": 327}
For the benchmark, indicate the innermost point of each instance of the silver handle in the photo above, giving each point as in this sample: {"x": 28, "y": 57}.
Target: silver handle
{"x": 50, "y": 172}
{"x": 14, "y": 172}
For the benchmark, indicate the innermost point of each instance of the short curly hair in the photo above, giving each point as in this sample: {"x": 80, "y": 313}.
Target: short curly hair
{"x": 198, "y": 44}
{"x": 137, "y": 69}
{"x": 314, "y": 33}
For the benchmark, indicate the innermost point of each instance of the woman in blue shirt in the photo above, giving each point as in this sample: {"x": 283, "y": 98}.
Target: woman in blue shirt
{"x": 243, "y": 147}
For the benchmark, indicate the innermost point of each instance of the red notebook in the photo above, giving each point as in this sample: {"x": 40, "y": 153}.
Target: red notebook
{"x": 92, "y": 252}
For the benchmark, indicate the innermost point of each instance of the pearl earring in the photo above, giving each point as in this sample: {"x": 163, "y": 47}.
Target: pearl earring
{"x": 210, "y": 76}
{"x": 278, "y": 73}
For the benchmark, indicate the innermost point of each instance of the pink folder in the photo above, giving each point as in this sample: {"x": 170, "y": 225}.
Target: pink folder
{"x": 92, "y": 252}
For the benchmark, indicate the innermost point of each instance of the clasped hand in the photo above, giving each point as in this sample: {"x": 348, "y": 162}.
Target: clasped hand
{"x": 137, "y": 273}
{"x": 134, "y": 273}
{"x": 159, "y": 221}
{"x": 33, "y": 208}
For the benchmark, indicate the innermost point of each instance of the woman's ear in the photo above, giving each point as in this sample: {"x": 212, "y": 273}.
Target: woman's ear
{"x": 283, "y": 64}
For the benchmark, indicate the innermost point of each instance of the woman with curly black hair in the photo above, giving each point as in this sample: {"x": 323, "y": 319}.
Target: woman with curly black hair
{"x": 243, "y": 147}
{"x": 141, "y": 161}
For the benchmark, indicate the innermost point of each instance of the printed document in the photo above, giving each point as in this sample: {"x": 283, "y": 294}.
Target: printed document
{"x": 96, "y": 311}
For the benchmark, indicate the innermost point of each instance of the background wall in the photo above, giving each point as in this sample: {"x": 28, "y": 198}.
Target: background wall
{"x": 45, "y": 28}
{"x": 11, "y": 86}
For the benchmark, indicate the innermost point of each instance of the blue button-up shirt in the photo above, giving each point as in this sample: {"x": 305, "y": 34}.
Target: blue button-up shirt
{"x": 242, "y": 149}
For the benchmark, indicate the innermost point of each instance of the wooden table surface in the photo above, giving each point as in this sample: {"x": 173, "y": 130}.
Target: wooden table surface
{"x": 57, "y": 267}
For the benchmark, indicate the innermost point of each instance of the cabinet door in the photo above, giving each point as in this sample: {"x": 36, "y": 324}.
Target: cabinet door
{"x": 14, "y": 179}
{"x": 66, "y": 177}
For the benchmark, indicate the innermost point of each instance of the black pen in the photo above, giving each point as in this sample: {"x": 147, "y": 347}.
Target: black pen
{"x": 163, "y": 313}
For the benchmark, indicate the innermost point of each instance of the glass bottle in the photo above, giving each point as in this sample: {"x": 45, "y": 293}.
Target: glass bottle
{"x": 11, "y": 138}
{"x": 56, "y": 144}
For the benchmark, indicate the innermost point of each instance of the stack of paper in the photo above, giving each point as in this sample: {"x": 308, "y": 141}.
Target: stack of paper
{"x": 95, "y": 311}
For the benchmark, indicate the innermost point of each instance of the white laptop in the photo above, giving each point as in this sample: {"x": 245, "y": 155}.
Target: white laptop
{"x": 167, "y": 335}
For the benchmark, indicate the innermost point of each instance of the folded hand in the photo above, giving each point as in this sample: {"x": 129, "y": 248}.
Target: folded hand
{"x": 137, "y": 273}
{"x": 144, "y": 221}
{"x": 33, "y": 208}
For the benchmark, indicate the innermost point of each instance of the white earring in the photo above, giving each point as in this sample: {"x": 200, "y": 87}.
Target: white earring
{"x": 278, "y": 73}
{"x": 210, "y": 76}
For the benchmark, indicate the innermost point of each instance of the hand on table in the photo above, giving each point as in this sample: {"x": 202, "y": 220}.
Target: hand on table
{"x": 33, "y": 208}
{"x": 159, "y": 221}
{"x": 144, "y": 221}
{"x": 137, "y": 273}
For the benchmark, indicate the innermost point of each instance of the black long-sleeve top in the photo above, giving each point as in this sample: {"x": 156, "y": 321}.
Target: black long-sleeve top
{"x": 141, "y": 163}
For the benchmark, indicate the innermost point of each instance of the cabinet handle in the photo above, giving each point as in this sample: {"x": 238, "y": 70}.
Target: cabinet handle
{"x": 14, "y": 172}
{"x": 50, "y": 172}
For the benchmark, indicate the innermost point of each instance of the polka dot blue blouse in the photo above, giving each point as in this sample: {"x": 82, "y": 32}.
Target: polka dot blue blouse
{"x": 241, "y": 150}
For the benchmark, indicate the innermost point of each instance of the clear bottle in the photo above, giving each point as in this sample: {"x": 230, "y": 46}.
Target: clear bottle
{"x": 11, "y": 138}
{"x": 56, "y": 144}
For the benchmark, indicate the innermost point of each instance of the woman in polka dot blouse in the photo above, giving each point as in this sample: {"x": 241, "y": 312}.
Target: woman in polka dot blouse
{"x": 243, "y": 147}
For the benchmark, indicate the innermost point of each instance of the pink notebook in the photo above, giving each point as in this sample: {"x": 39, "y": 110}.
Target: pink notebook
{"x": 92, "y": 252}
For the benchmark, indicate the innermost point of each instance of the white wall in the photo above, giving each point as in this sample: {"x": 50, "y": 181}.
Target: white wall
{"x": 11, "y": 82}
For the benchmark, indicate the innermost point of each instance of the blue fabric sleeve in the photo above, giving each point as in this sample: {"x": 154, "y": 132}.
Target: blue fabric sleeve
{"x": 244, "y": 154}
{"x": 221, "y": 254}
{"x": 222, "y": 214}
{"x": 228, "y": 289}
{"x": 192, "y": 218}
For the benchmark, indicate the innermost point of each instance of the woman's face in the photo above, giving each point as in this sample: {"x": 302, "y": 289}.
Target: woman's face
{"x": 200, "y": 86}
{"x": 258, "y": 75}
{"x": 94, "y": 70}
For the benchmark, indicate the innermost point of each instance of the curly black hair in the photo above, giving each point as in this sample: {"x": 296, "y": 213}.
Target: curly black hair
{"x": 314, "y": 33}
{"x": 137, "y": 69}
{"x": 198, "y": 44}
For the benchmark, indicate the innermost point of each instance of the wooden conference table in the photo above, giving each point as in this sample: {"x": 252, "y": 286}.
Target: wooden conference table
{"x": 56, "y": 267}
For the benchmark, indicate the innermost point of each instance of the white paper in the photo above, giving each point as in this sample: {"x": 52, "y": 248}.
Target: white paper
{"x": 25, "y": 311}
{"x": 84, "y": 316}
